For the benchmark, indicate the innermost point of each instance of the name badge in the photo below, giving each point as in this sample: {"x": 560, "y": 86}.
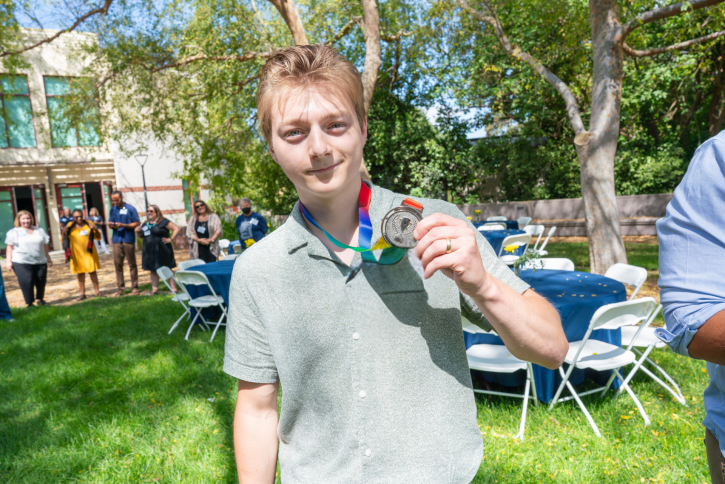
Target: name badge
{"x": 254, "y": 221}
{"x": 146, "y": 232}
{"x": 201, "y": 230}
{"x": 84, "y": 232}
{"x": 123, "y": 211}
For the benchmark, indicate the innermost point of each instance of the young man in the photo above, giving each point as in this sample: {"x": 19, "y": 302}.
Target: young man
{"x": 692, "y": 251}
{"x": 250, "y": 225}
{"x": 123, "y": 219}
{"x": 371, "y": 356}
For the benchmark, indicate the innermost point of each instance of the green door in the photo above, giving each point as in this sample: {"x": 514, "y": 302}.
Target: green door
{"x": 72, "y": 197}
{"x": 7, "y": 214}
{"x": 40, "y": 209}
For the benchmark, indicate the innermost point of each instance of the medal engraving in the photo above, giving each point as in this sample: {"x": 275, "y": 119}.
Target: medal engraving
{"x": 398, "y": 226}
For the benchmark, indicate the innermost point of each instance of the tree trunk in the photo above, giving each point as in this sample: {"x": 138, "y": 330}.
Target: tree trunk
{"x": 291, "y": 16}
{"x": 597, "y": 148}
{"x": 373, "y": 60}
{"x": 717, "y": 112}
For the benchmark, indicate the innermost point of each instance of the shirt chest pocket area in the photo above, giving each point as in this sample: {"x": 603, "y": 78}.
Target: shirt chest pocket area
{"x": 400, "y": 278}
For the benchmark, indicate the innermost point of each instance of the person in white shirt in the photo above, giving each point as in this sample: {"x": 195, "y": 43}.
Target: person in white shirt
{"x": 28, "y": 255}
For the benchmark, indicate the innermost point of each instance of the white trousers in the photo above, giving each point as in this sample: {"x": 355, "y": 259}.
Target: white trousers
{"x": 101, "y": 246}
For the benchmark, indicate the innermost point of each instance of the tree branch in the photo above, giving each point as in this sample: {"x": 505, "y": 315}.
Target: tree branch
{"x": 343, "y": 32}
{"x": 291, "y": 16}
{"x": 373, "y": 60}
{"x": 394, "y": 38}
{"x": 572, "y": 107}
{"x": 680, "y": 45}
{"x": 102, "y": 10}
{"x": 664, "y": 12}
{"x": 217, "y": 58}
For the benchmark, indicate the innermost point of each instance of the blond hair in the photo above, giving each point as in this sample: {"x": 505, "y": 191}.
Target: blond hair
{"x": 20, "y": 214}
{"x": 304, "y": 66}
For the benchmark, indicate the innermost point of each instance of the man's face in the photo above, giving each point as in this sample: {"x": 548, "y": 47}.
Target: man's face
{"x": 117, "y": 200}
{"x": 243, "y": 205}
{"x": 318, "y": 142}
{"x": 66, "y": 212}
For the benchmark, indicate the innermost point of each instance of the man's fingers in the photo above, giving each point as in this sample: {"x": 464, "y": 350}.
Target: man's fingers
{"x": 437, "y": 233}
{"x": 435, "y": 220}
{"x": 436, "y": 249}
{"x": 442, "y": 262}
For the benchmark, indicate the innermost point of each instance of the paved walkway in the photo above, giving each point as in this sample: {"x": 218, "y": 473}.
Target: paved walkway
{"x": 62, "y": 286}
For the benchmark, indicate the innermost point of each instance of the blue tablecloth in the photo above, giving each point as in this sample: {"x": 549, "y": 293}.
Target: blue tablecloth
{"x": 510, "y": 224}
{"x": 220, "y": 278}
{"x": 577, "y": 296}
{"x": 495, "y": 238}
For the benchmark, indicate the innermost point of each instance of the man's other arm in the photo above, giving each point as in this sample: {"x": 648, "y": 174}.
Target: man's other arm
{"x": 255, "y": 432}
{"x": 709, "y": 341}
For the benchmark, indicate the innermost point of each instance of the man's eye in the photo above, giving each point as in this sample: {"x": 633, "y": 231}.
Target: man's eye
{"x": 293, "y": 133}
{"x": 337, "y": 125}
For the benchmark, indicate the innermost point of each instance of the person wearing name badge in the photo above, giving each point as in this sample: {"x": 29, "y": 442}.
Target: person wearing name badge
{"x": 65, "y": 217}
{"x": 203, "y": 231}
{"x": 354, "y": 306}
{"x": 28, "y": 255}
{"x": 251, "y": 226}
{"x": 123, "y": 219}
{"x": 96, "y": 218}
{"x": 158, "y": 234}
{"x": 692, "y": 287}
{"x": 78, "y": 242}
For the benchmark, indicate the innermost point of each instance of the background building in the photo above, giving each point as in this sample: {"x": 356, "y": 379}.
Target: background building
{"x": 47, "y": 162}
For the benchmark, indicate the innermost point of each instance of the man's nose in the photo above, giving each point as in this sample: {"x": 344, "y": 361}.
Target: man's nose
{"x": 317, "y": 142}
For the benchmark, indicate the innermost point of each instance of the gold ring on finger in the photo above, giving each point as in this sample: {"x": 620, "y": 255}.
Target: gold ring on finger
{"x": 448, "y": 245}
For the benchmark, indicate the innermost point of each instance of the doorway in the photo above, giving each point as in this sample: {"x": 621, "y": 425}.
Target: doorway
{"x": 24, "y": 199}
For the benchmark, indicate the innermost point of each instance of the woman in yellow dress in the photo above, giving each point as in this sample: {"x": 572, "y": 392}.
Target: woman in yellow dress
{"x": 78, "y": 237}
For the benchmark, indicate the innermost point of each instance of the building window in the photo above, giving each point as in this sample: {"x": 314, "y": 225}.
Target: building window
{"x": 16, "y": 116}
{"x": 72, "y": 123}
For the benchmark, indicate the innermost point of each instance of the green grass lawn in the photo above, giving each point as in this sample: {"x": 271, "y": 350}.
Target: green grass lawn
{"x": 99, "y": 393}
{"x": 638, "y": 254}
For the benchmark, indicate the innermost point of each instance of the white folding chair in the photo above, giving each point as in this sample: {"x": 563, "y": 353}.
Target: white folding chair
{"x": 182, "y": 297}
{"x": 601, "y": 356}
{"x": 223, "y": 245}
{"x": 231, "y": 257}
{"x": 517, "y": 240}
{"x": 534, "y": 230}
{"x": 190, "y": 263}
{"x": 524, "y": 222}
{"x": 541, "y": 250}
{"x": 496, "y": 218}
{"x": 498, "y": 359}
{"x": 237, "y": 249}
{"x": 643, "y": 336}
{"x": 489, "y": 227}
{"x": 627, "y": 274}
{"x": 552, "y": 263}
{"x": 193, "y": 278}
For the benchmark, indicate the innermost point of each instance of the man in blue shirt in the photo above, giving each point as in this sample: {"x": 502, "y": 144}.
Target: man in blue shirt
{"x": 4, "y": 307}
{"x": 692, "y": 258}
{"x": 123, "y": 219}
{"x": 250, "y": 225}
{"x": 65, "y": 218}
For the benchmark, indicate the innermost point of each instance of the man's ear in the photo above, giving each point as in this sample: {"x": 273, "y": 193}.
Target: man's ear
{"x": 272, "y": 153}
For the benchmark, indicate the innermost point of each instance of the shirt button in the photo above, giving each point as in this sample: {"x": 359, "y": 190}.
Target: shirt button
{"x": 368, "y": 452}
{"x": 362, "y": 393}
{"x": 356, "y": 336}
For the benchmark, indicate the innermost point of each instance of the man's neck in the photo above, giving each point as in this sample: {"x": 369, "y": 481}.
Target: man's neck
{"x": 337, "y": 215}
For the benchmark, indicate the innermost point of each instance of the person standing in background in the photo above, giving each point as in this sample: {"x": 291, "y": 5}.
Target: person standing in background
{"x": 65, "y": 217}
{"x": 158, "y": 250}
{"x": 97, "y": 220}
{"x": 123, "y": 219}
{"x": 251, "y": 226}
{"x": 78, "y": 237}
{"x": 203, "y": 231}
{"x": 5, "y": 313}
{"x": 28, "y": 255}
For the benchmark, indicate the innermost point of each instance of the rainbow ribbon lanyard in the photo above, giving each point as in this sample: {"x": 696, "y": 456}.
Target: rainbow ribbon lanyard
{"x": 390, "y": 254}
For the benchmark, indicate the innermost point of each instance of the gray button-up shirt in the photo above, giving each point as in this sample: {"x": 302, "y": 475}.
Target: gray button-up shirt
{"x": 375, "y": 382}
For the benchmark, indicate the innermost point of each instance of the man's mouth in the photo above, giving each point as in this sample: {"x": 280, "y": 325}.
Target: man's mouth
{"x": 323, "y": 170}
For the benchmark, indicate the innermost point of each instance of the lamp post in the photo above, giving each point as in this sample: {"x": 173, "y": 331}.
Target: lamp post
{"x": 144, "y": 157}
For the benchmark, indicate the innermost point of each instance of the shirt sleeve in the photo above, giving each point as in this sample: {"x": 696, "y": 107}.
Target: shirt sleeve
{"x": 247, "y": 354}
{"x": 492, "y": 264}
{"x": 264, "y": 227}
{"x": 134, "y": 214}
{"x": 113, "y": 215}
{"x": 691, "y": 239}
{"x": 46, "y": 239}
{"x": 11, "y": 238}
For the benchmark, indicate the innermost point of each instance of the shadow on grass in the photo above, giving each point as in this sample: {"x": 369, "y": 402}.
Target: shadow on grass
{"x": 98, "y": 392}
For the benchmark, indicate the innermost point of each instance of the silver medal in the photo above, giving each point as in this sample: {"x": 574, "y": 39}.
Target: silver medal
{"x": 398, "y": 226}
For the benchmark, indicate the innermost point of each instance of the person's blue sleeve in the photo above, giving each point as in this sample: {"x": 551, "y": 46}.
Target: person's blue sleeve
{"x": 264, "y": 227}
{"x": 113, "y": 215}
{"x": 692, "y": 247}
{"x": 238, "y": 222}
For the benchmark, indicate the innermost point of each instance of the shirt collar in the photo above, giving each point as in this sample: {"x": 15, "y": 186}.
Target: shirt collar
{"x": 380, "y": 203}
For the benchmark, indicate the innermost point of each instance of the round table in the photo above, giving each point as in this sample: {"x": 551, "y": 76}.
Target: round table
{"x": 510, "y": 224}
{"x": 220, "y": 278}
{"x": 576, "y": 296}
{"x": 496, "y": 237}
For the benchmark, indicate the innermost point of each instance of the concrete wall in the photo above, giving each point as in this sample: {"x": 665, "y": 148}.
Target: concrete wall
{"x": 638, "y": 213}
